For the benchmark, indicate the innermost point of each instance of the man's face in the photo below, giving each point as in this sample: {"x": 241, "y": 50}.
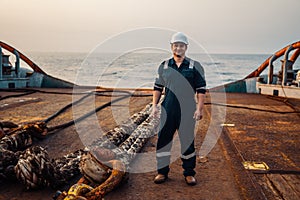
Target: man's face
{"x": 179, "y": 49}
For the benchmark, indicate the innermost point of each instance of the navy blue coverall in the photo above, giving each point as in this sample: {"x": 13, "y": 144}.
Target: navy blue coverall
{"x": 178, "y": 107}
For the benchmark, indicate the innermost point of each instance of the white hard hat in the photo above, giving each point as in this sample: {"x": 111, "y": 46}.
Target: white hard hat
{"x": 179, "y": 37}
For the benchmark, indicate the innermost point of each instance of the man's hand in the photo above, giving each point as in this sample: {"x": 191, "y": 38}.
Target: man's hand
{"x": 200, "y": 104}
{"x": 198, "y": 115}
{"x": 155, "y": 111}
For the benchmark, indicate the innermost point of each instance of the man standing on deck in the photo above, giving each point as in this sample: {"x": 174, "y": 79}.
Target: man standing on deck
{"x": 181, "y": 77}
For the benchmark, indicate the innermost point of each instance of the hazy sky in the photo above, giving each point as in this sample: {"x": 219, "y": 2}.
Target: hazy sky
{"x": 221, "y": 26}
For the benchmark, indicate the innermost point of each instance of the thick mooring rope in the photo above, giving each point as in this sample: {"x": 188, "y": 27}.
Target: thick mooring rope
{"x": 120, "y": 133}
{"x": 11, "y": 146}
{"x": 107, "y": 174}
{"x": 35, "y": 169}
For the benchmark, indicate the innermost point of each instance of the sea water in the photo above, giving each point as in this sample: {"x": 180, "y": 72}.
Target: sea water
{"x": 139, "y": 69}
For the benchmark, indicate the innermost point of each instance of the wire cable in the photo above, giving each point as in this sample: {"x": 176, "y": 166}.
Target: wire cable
{"x": 70, "y": 123}
{"x": 256, "y": 109}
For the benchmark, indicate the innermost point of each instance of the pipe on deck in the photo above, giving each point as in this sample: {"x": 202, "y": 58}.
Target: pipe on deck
{"x": 278, "y": 54}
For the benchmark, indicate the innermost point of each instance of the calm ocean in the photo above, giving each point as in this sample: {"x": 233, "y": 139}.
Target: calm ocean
{"x": 138, "y": 69}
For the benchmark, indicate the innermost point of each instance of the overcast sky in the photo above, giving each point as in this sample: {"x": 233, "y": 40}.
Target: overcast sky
{"x": 220, "y": 26}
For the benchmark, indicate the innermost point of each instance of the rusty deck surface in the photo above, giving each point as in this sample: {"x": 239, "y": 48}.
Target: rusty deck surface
{"x": 256, "y": 128}
{"x": 266, "y": 129}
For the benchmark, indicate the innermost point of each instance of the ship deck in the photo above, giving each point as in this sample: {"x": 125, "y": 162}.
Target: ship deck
{"x": 255, "y": 128}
